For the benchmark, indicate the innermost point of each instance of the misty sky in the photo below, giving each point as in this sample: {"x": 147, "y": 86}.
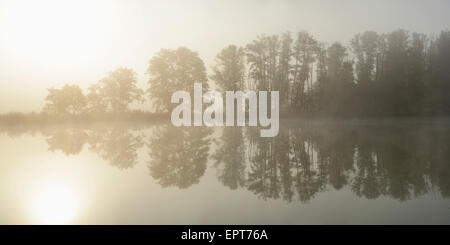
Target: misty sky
{"x": 49, "y": 43}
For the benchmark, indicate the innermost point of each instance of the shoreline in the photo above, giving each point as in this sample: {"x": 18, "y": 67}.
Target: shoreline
{"x": 150, "y": 117}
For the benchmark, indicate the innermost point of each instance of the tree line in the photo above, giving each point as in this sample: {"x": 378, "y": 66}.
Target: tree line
{"x": 391, "y": 74}
{"x": 113, "y": 93}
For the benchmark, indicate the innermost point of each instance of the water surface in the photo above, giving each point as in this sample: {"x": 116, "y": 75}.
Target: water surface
{"x": 313, "y": 172}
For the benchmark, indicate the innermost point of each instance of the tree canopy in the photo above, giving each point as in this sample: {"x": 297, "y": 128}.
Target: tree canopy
{"x": 66, "y": 100}
{"x": 172, "y": 70}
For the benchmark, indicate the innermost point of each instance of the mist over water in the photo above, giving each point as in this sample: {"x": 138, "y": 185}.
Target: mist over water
{"x": 359, "y": 108}
{"x": 314, "y": 171}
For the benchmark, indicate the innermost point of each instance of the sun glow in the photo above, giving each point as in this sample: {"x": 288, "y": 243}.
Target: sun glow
{"x": 53, "y": 33}
{"x": 55, "y": 204}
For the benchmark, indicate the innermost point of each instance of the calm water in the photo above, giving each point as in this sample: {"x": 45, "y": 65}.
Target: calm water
{"x": 315, "y": 172}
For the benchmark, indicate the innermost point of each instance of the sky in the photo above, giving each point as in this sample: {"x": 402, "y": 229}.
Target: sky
{"x": 49, "y": 43}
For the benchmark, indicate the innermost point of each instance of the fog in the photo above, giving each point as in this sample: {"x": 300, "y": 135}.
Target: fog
{"x": 49, "y": 43}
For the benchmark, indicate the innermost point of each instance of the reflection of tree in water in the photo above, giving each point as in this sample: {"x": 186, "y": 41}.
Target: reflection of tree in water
{"x": 178, "y": 155}
{"x": 439, "y": 158}
{"x": 116, "y": 145}
{"x": 335, "y": 156}
{"x": 396, "y": 161}
{"x": 270, "y": 170}
{"x": 392, "y": 162}
{"x": 230, "y": 157}
{"x": 368, "y": 181}
{"x": 309, "y": 176}
{"x": 281, "y": 165}
{"x": 68, "y": 140}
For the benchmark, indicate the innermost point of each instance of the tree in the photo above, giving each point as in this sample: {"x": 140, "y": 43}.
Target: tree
{"x": 416, "y": 74}
{"x": 339, "y": 92}
{"x": 365, "y": 49}
{"x": 335, "y": 61}
{"x": 443, "y": 63}
{"x": 395, "y": 74}
{"x": 284, "y": 68}
{"x": 67, "y": 100}
{"x": 263, "y": 59}
{"x": 95, "y": 99}
{"x": 229, "y": 75}
{"x": 172, "y": 70}
{"x": 229, "y": 70}
{"x": 304, "y": 52}
{"x": 323, "y": 83}
{"x": 118, "y": 90}
{"x": 257, "y": 58}
{"x": 273, "y": 50}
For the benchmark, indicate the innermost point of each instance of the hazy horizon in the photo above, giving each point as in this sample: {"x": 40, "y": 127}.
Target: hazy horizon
{"x": 50, "y": 43}
{"x": 339, "y": 112}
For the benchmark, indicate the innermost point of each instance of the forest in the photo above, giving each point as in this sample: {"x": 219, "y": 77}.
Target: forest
{"x": 396, "y": 74}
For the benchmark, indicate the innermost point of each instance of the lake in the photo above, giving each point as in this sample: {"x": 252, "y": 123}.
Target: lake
{"x": 313, "y": 172}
